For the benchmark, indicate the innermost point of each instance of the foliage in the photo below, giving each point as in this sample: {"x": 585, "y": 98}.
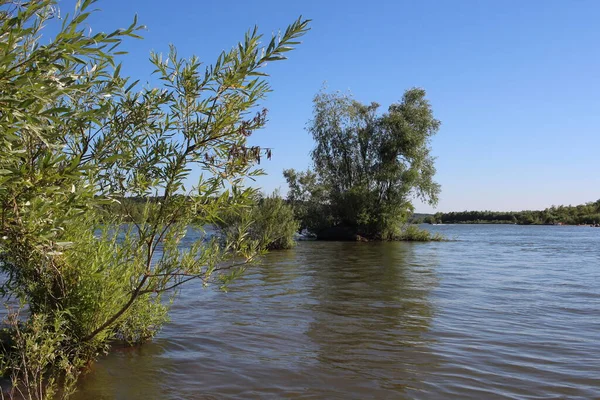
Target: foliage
{"x": 415, "y": 234}
{"x": 274, "y": 223}
{"x": 30, "y": 358}
{"x": 143, "y": 320}
{"x": 308, "y": 197}
{"x": 583, "y": 214}
{"x": 270, "y": 222}
{"x": 367, "y": 167}
{"x": 75, "y": 135}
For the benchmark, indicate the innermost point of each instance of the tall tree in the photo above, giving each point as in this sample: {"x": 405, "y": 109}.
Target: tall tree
{"x": 373, "y": 165}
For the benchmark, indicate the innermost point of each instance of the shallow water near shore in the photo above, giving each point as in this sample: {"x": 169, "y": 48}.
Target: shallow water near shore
{"x": 502, "y": 312}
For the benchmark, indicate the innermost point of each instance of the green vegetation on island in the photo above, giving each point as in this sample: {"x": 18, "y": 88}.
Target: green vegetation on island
{"x": 367, "y": 168}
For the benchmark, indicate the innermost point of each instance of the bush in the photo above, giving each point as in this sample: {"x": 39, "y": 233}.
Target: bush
{"x": 270, "y": 222}
{"x": 413, "y": 233}
{"x": 35, "y": 358}
{"x": 143, "y": 320}
{"x": 275, "y": 224}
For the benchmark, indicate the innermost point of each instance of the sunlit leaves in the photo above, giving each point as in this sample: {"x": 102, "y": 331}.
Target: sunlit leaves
{"x": 368, "y": 167}
{"x": 95, "y": 193}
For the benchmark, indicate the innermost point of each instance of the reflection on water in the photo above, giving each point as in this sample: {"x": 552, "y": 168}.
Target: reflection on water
{"x": 120, "y": 375}
{"x": 503, "y": 312}
{"x": 369, "y": 317}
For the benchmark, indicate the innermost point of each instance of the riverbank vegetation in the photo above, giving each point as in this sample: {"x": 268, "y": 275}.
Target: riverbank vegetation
{"x": 77, "y": 135}
{"x": 269, "y": 221}
{"x": 367, "y": 167}
{"x": 583, "y": 214}
{"x": 413, "y": 234}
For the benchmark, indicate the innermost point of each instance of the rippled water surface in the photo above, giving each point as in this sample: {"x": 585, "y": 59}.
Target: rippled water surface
{"x": 501, "y": 312}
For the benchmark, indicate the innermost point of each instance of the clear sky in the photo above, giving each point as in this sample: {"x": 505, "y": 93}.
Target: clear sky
{"x": 516, "y": 84}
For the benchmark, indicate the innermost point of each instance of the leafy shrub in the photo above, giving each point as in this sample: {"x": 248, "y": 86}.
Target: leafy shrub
{"x": 270, "y": 222}
{"x": 76, "y": 135}
{"x": 36, "y": 360}
{"x": 275, "y": 224}
{"x": 143, "y": 320}
{"x": 415, "y": 234}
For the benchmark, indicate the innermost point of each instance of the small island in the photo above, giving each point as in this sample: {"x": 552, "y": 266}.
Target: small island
{"x": 367, "y": 169}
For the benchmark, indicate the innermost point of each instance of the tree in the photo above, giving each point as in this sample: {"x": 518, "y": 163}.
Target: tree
{"x": 308, "y": 198}
{"x": 372, "y": 166}
{"x": 76, "y": 135}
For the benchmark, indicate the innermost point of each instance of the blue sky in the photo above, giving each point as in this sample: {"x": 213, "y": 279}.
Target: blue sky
{"x": 516, "y": 84}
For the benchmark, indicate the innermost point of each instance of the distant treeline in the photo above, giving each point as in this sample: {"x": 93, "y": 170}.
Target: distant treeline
{"x": 583, "y": 214}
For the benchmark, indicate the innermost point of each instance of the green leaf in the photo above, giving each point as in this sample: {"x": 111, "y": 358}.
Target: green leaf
{"x": 114, "y": 158}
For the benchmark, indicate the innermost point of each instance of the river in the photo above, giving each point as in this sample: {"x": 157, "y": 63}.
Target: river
{"x": 499, "y": 312}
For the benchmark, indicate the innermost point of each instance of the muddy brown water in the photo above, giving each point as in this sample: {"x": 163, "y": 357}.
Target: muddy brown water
{"x": 501, "y": 312}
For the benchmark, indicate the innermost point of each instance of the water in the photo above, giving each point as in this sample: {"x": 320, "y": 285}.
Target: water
{"x": 502, "y": 312}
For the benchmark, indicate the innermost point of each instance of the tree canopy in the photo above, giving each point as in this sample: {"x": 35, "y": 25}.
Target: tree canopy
{"x": 368, "y": 167}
